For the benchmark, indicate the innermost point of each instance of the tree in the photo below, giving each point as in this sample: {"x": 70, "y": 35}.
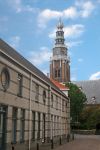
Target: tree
{"x": 90, "y": 117}
{"x": 77, "y": 101}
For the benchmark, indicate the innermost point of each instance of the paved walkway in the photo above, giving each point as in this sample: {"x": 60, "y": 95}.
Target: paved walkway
{"x": 82, "y": 142}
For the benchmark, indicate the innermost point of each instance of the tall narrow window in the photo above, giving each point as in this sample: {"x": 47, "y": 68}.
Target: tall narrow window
{"x": 54, "y": 125}
{"x": 55, "y": 73}
{"x": 3, "y": 126}
{"x": 56, "y": 102}
{"x": 20, "y": 79}
{"x": 63, "y": 105}
{"x": 38, "y": 136}
{"x": 37, "y": 92}
{"x": 58, "y": 72}
{"x": 44, "y": 96}
{"x": 22, "y": 125}
{"x": 52, "y": 100}
{"x": 14, "y": 124}
{"x": 33, "y": 125}
{"x": 43, "y": 129}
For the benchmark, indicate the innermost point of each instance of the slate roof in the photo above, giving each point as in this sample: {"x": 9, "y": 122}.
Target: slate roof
{"x": 92, "y": 90}
{"x": 11, "y": 52}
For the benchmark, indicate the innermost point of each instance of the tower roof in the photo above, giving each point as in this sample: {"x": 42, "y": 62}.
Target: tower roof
{"x": 60, "y": 24}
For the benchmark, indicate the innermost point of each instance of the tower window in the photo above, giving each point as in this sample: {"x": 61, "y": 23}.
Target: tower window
{"x": 57, "y": 73}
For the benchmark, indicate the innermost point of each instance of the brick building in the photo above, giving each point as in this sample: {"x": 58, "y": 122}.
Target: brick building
{"x": 60, "y": 63}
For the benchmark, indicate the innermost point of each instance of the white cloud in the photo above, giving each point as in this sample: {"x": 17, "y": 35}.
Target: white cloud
{"x": 73, "y": 78}
{"x": 95, "y": 76}
{"x": 40, "y": 57}
{"x": 47, "y": 15}
{"x": 87, "y": 7}
{"x": 73, "y": 43}
{"x": 70, "y": 13}
{"x": 19, "y": 7}
{"x": 72, "y": 31}
{"x": 80, "y": 9}
{"x": 80, "y": 60}
{"x": 15, "y": 41}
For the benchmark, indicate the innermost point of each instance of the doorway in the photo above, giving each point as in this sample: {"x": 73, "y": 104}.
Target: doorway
{"x": 2, "y": 127}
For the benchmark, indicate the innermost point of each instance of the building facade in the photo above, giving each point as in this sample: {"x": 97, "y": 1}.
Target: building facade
{"x": 59, "y": 63}
{"x": 33, "y": 111}
{"x": 91, "y": 89}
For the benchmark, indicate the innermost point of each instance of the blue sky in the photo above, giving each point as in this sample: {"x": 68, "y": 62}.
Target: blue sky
{"x": 29, "y": 26}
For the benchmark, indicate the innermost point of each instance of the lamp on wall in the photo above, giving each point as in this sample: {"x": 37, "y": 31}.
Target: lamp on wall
{"x": 93, "y": 99}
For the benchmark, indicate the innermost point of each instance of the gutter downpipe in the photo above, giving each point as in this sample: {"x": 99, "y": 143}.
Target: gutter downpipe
{"x": 29, "y": 146}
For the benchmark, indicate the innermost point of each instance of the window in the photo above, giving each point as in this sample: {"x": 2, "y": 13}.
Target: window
{"x": 51, "y": 100}
{"x": 33, "y": 125}
{"x": 43, "y": 129}
{"x": 3, "y": 126}
{"x": 66, "y": 106}
{"x": 56, "y": 102}
{"x": 58, "y": 72}
{"x": 54, "y": 125}
{"x": 37, "y": 92}
{"x": 55, "y": 73}
{"x": 14, "y": 124}
{"x": 22, "y": 125}
{"x": 62, "y": 104}
{"x": 44, "y": 96}
{"x": 38, "y": 133}
{"x": 5, "y": 78}
{"x": 20, "y": 79}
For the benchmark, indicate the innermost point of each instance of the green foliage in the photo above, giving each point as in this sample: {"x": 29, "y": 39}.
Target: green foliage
{"x": 90, "y": 117}
{"x": 77, "y": 101}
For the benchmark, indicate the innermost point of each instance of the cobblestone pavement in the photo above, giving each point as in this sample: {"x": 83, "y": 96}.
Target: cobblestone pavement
{"x": 82, "y": 142}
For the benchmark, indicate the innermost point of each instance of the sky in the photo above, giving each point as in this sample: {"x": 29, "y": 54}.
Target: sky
{"x": 29, "y": 26}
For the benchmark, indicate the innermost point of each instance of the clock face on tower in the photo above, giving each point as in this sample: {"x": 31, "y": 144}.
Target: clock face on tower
{"x": 56, "y": 51}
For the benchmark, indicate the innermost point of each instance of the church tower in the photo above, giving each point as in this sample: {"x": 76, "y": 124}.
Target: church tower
{"x": 59, "y": 63}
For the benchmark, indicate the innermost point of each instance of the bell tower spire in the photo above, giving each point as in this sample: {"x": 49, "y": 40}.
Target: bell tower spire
{"x": 59, "y": 65}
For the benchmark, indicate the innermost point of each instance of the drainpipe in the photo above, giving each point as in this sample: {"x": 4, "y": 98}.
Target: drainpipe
{"x": 30, "y": 111}
{"x": 49, "y": 112}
